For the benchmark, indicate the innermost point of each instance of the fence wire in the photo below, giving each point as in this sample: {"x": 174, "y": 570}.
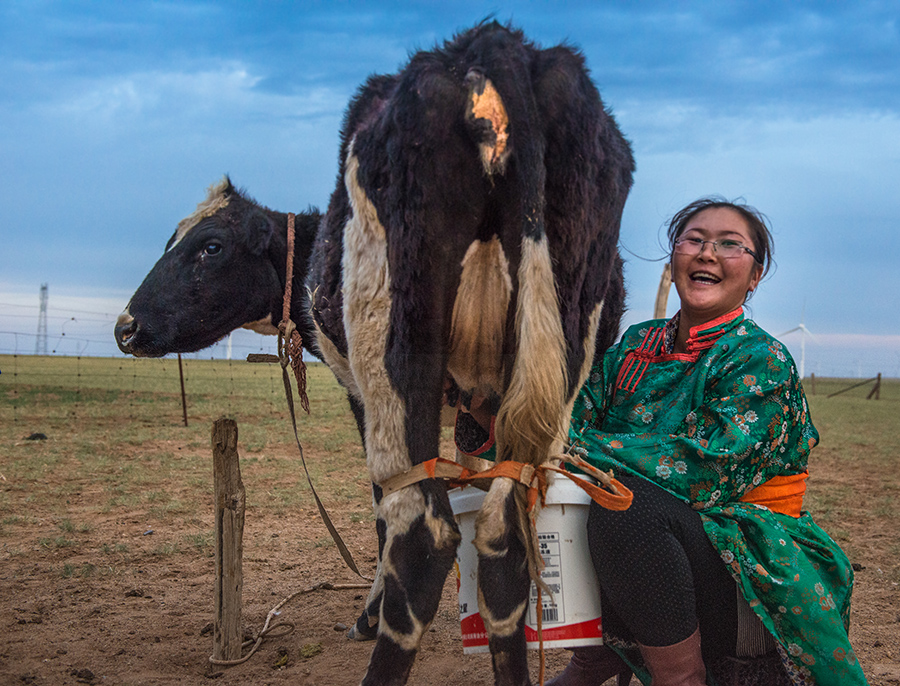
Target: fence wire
{"x": 47, "y": 386}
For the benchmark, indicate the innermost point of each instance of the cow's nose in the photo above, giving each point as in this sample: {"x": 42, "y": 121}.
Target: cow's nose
{"x": 126, "y": 328}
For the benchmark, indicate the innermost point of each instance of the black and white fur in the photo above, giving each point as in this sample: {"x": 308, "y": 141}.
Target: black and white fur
{"x": 472, "y": 235}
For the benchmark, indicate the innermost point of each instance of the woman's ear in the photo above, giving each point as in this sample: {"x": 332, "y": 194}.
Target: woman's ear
{"x": 755, "y": 279}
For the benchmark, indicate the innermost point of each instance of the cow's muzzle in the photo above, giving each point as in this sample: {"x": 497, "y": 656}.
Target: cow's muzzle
{"x": 126, "y": 329}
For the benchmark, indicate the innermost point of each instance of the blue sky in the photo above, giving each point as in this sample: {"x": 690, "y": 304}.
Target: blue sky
{"x": 115, "y": 117}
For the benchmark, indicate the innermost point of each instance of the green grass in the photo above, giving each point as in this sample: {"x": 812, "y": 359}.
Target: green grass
{"x": 203, "y": 542}
{"x": 58, "y": 542}
{"x": 859, "y": 448}
{"x": 114, "y": 548}
{"x": 117, "y": 448}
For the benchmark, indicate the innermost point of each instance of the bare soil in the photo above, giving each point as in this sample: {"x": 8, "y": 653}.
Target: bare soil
{"x": 140, "y": 612}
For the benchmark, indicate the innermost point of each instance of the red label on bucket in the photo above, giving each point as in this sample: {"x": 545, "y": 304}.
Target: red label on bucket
{"x": 590, "y": 629}
{"x": 475, "y": 639}
{"x": 474, "y": 634}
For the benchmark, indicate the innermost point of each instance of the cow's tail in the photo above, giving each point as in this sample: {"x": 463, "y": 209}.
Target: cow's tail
{"x": 532, "y": 421}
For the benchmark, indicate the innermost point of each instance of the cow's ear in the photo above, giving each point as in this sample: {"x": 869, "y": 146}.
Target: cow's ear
{"x": 258, "y": 230}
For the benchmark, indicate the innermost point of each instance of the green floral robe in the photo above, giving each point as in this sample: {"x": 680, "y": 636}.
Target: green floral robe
{"x": 709, "y": 426}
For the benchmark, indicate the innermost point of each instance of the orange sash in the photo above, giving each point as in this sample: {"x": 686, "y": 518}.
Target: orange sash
{"x": 782, "y": 494}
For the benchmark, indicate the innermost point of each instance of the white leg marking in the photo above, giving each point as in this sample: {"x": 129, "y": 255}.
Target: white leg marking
{"x": 367, "y": 311}
{"x": 498, "y": 627}
{"x": 491, "y": 523}
{"x": 490, "y": 526}
{"x": 400, "y": 510}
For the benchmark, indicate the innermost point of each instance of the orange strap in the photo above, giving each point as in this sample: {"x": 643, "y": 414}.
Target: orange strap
{"x": 534, "y": 478}
{"x": 782, "y": 494}
{"x": 618, "y": 500}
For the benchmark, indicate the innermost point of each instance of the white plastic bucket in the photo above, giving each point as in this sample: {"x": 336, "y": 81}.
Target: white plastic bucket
{"x": 572, "y": 618}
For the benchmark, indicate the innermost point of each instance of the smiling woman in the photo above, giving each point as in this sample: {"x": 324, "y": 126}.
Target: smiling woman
{"x": 720, "y": 251}
{"x": 715, "y": 574}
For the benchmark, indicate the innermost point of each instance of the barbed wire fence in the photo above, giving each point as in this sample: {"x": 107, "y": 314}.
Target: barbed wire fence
{"x": 82, "y": 363}
{"x": 65, "y": 381}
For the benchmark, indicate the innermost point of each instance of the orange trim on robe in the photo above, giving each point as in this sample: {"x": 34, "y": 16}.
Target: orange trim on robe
{"x": 781, "y": 494}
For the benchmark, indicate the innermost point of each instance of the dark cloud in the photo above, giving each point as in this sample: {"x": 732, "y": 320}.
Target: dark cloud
{"x": 725, "y": 57}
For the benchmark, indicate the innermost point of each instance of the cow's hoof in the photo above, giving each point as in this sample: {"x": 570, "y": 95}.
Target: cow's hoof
{"x": 356, "y": 635}
{"x": 361, "y": 631}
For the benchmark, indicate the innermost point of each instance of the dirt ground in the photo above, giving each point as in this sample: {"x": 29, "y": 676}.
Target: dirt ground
{"x": 145, "y": 617}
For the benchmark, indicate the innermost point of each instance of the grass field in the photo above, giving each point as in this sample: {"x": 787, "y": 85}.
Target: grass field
{"x": 125, "y": 402}
{"x": 118, "y": 462}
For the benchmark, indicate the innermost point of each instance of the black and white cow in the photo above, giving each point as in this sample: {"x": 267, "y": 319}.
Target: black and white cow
{"x": 223, "y": 269}
{"x": 472, "y": 235}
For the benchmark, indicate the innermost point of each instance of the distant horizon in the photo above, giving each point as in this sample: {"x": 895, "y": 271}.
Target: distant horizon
{"x": 84, "y": 327}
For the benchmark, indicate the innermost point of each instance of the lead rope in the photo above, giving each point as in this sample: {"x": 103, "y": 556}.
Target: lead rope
{"x": 290, "y": 342}
{"x": 279, "y": 629}
{"x": 290, "y": 354}
{"x": 540, "y": 633}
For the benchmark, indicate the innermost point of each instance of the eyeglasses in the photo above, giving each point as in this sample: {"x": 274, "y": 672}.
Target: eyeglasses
{"x": 727, "y": 249}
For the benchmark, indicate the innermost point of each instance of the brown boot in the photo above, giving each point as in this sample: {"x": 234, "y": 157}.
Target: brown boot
{"x": 591, "y": 666}
{"x": 680, "y": 664}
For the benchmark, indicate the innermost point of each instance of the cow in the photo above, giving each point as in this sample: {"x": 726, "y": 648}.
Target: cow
{"x": 224, "y": 268}
{"x": 471, "y": 240}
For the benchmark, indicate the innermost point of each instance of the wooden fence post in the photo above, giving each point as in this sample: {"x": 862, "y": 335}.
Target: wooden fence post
{"x": 662, "y": 295}
{"x": 230, "y": 502}
{"x": 183, "y": 396}
{"x": 876, "y": 391}
{"x": 812, "y": 384}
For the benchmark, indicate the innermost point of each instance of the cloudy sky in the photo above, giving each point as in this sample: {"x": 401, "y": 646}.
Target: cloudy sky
{"x": 116, "y": 116}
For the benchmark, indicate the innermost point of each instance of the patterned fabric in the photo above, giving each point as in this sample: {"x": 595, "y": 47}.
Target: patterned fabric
{"x": 709, "y": 425}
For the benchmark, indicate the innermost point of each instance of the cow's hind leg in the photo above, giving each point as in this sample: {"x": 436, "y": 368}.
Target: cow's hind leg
{"x": 401, "y": 390}
{"x": 366, "y": 626}
{"x": 420, "y": 533}
{"x": 503, "y": 580}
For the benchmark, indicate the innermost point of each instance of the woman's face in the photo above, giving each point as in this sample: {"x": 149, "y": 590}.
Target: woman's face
{"x": 708, "y": 284}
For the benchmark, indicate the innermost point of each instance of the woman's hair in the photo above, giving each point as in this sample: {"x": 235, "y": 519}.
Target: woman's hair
{"x": 760, "y": 234}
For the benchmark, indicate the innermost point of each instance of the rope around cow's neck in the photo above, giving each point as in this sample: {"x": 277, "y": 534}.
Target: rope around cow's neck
{"x": 290, "y": 342}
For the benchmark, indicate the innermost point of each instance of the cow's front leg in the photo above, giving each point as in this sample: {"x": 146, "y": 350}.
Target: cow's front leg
{"x": 503, "y": 580}
{"x": 420, "y": 547}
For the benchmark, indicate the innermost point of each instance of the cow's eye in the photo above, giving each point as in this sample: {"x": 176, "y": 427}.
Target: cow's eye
{"x": 212, "y": 248}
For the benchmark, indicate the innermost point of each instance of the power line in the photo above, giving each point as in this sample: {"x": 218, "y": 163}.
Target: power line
{"x": 58, "y": 309}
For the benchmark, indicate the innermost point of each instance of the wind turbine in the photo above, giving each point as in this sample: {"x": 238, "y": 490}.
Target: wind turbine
{"x": 804, "y": 332}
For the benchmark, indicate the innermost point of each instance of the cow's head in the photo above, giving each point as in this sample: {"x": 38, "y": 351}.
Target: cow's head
{"x": 216, "y": 275}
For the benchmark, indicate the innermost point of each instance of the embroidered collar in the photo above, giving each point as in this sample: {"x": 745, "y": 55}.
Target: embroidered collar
{"x": 658, "y": 344}
{"x": 703, "y": 337}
